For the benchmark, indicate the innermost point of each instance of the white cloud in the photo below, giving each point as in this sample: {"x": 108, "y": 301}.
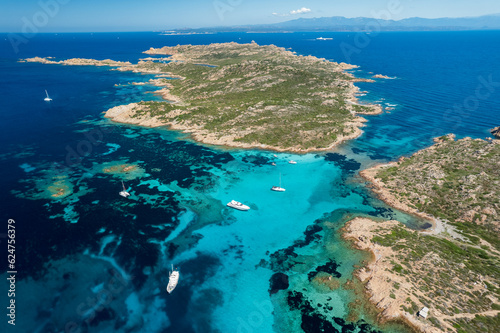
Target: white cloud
{"x": 302, "y": 10}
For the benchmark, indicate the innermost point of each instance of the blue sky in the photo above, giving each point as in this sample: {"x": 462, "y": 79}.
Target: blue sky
{"x": 147, "y": 15}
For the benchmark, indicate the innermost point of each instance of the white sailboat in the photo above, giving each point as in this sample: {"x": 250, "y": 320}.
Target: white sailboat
{"x": 47, "y": 99}
{"x": 173, "y": 279}
{"x": 124, "y": 193}
{"x": 237, "y": 205}
{"x": 278, "y": 188}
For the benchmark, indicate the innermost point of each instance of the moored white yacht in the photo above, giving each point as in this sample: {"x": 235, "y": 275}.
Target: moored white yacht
{"x": 237, "y": 205}
{"x": 278, "y": 188}
{"x": 173, "y": 279}
{"x": 292, "y": 162}
{"x": 47, "y": 99}
{"x": 124, "y": 193}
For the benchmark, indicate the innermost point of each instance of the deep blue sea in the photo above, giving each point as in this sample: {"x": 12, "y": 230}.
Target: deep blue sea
{"x": 92, "y": 261}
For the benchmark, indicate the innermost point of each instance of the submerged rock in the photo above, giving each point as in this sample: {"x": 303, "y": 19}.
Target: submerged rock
{"x": 279, "y": 281}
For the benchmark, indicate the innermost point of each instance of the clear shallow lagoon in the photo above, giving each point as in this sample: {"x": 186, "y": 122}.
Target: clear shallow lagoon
{"x": 94, "y": 245}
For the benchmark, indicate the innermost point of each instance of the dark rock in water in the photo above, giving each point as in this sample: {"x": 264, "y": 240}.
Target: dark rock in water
{"x": 330, "y": 268}
{"x": 426, "y": 226}
{"x": 256, "y": 160}
{"x": 495, "y": 132}
{"x": 364, "y": 327}
{"x": 171, "y": 250}
{"x": 346, "y": 328}
{"x": 358, "y": 151}
{"x": 315, "y": 323}
{"x": 278, "y": 281}
{"x": 347, "y": 164}
{"x": 103, "y": 315}
{"x": 283, "y": 259}
{"x": 339, "y": 321}
{"x": 297, "y": 301}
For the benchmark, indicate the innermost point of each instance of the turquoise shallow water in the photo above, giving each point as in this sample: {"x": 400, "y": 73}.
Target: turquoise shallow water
{"x": 97, "y": 262}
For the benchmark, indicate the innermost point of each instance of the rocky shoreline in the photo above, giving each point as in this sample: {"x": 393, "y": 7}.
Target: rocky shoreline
{"x": 386, "y": 196}
{"x": 127, "y": 114}
{"x": 377, "y": 275}
{"x": 454, "y": 260}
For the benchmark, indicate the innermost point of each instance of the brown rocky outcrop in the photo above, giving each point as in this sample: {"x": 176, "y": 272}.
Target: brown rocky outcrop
{"x": 495, "y": 132}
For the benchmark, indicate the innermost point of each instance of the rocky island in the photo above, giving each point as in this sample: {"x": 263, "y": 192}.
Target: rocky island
{"x": 246, "y": 95}
{"x": 495, "y": 132}
{"x": 453, "y": 269}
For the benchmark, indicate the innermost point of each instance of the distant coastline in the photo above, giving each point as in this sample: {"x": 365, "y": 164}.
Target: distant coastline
{"x": 360, "y": 25}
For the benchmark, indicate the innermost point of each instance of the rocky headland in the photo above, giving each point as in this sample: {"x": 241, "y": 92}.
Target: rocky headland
{"x": 495, "y": 132}
{"x": 381, "y": 76}
{"x": 452, "y": 268}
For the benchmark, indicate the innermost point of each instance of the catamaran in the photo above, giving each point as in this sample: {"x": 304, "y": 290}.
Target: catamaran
{"x": 278, "y": 188}
{"x": 47, "y": 99}
{"x": 173, "y": 279}
{"x": 124, "y": 193}
{"x": 237, "y": 205}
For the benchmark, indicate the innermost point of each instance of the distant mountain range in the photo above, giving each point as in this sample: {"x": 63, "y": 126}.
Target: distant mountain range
{"x": 340, "y": 23}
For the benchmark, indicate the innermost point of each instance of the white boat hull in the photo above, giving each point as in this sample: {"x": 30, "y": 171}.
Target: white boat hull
{"x": 277, "y": 189}
{"x": 173, "y": 279}
{"x": 237, "y": 205}
{"x": 47, "y": 99}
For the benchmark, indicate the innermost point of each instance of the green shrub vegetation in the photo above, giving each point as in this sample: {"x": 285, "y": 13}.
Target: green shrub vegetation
{"x": 458, "y": 270}
{"x": 259, "y": 95}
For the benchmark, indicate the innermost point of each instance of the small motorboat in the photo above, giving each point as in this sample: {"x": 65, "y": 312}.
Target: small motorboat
{"x": 237, "y": 205}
